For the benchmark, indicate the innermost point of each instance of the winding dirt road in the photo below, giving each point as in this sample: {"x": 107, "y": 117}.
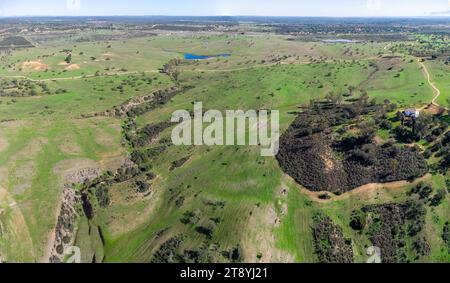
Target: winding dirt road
{"x": 436, "y": 91}
{"x": 363, "y": 190}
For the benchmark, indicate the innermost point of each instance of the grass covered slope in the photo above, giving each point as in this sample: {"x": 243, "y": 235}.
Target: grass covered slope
{"x": 154, "y": 202}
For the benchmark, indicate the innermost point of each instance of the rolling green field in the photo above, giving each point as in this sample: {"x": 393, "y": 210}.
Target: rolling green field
{"x": 245, "y": 200}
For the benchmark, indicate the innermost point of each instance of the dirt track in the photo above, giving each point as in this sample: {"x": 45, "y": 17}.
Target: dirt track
{"x": 436, "y": 91}
{"x": 361, "y": 190}
{"x": 79, "y": 77}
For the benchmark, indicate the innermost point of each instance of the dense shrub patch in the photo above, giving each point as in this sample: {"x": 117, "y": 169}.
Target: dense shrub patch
{"x": 148, "y": 134}
{"x": 446, "y": 235}
{"x": 329, "y": 242}
{"x": 328, "y": 149}
{"x": 167, "y": 252}
{"x": 389, "y": 226}
{"x": 178, "y": 163}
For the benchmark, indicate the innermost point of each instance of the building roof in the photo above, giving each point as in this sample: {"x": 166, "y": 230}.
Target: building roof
{"x": 412, "y": 113}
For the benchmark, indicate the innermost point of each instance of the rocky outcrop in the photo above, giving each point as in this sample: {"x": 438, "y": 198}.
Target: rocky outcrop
{"x": 66, "y": 225}
{"x": 145, "y": 102}
{"x": 70, "y": 210}
{"x": 121, "y": 110}
{"x": 83, "y": 175}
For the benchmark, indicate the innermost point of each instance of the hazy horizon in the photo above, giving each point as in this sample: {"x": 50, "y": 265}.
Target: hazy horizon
{"x": 211, "y": 8}
{"x": 233, "y": 16}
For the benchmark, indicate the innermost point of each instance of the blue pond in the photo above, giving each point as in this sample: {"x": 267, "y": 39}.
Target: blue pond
{"x": 189, "y": 56}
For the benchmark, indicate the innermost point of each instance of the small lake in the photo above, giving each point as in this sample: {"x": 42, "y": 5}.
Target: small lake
{"x": 190, "y": 56}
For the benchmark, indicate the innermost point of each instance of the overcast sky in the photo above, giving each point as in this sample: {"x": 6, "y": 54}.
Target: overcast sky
{"x": 310, "y": 8}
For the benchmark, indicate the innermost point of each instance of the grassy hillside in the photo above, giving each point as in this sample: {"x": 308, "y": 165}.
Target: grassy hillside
{"x": 220, "y": 204}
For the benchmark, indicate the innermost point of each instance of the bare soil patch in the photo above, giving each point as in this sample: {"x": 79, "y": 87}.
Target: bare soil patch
{"x": 24, "y": 177}
{"x": 103, "y": 138}
{"x": 72, "y": 67}
{"x": 114, "y": 162}
{"x": 434, "y": 110}
{"x": 3, "y": 144}
{"x": 272, "y": 217}
{"x": 109, "y": 54}
{"x": 31, "y": 150}
{"x": 370, "y": 190}
{"x": 35, "y": 66}
{"x": 70, "y": 147}
{"x": 74, "y": 171}
{"x": 257, "y": 244}
{"x": 20, "y": 189}
{"x": 378, "y": 140}
{"x": 68, "y": 144}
